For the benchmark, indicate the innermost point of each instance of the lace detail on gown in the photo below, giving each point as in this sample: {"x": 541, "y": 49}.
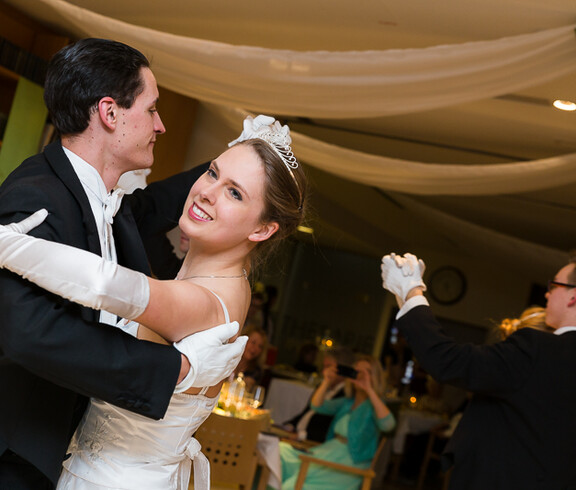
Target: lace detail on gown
{"x": 95, "y": 441}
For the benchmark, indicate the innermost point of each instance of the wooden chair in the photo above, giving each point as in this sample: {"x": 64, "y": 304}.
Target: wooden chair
{"x": 230, "y": 445}
{"x": 367, "y": 474}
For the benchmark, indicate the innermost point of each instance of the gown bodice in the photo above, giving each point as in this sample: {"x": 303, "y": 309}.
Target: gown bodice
{"x": 116, "y": 449}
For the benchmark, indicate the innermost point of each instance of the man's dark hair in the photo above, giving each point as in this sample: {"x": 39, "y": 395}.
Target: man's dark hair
{"x": 82, "y": 73}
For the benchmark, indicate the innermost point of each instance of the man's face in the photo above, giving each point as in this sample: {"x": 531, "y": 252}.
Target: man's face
{"x": 559, "y": 298}
{"x": 138, "y": 127}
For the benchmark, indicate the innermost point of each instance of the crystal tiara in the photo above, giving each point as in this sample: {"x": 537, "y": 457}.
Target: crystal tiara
{"x": 277, "y": 136}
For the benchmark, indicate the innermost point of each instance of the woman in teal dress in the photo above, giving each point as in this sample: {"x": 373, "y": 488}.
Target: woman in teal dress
{"x": 353, "y": 436}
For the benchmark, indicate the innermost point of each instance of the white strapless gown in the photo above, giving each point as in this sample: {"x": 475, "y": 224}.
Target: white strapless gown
{"x": 117, "y": 449}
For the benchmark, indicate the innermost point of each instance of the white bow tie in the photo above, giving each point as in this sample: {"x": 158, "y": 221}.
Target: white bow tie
{"x": 111, "y": 204}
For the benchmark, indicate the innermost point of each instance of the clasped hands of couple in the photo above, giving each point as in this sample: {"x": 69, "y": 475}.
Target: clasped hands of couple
{"x": 402, "y": 276}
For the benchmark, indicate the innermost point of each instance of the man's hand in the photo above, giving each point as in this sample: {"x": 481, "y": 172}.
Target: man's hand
{"x": 400, "y": 275}
{"x": 211, "y": 358}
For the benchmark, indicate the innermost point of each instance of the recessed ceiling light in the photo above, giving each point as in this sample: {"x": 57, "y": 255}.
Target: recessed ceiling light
{"x": 564, "y": 105}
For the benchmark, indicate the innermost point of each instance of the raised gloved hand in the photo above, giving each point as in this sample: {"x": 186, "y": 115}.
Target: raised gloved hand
{"x": 211, "y": 358}
{"x": 74, "y": 274}
{"x": 401, "y": 274}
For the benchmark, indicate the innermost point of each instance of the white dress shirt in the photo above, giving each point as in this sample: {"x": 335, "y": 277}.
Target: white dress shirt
{"x": 97, "y": 195}
{"x": 561, "y": 330}
{"x": 414, "y": 301}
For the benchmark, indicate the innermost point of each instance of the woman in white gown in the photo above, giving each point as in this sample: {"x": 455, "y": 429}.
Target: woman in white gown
{"x": 251, "y": 197}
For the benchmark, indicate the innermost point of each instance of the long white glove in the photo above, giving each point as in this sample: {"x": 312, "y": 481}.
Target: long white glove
{"x": 402, "y": 274}
{"x": 74, "y": 274}
{"x": 211, "y": 358}
{"x": 88, "y": 279}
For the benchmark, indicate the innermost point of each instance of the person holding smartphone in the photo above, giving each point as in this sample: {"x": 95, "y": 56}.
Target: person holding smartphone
{"x": 352, "y": 439}
{"x": 310, "y": 425}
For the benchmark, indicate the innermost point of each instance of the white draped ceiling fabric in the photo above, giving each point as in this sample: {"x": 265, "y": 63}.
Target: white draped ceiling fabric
{"x": 353, "y": 84}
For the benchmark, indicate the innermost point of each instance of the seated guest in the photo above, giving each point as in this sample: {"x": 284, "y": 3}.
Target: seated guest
{"x": 312, "y": 425}
{"x": 353, "y": 436}
{"x": 252, "y": 362}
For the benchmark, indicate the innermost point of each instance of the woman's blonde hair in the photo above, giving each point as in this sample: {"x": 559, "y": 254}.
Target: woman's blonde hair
{"x": 532, "y": 317}
{"x": 261, "y": 359}
{"x": 378, "y": 375}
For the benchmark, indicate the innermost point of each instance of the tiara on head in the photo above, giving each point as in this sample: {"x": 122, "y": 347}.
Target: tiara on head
{"x": 277, "y": 136}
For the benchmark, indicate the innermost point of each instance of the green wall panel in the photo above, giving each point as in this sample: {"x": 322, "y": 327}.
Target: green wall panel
{"x": 24, "y": 128}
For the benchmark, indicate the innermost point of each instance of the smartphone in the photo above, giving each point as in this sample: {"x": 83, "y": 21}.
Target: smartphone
{"x": 346, "y": 371}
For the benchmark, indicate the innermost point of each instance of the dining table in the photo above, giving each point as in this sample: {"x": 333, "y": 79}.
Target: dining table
{"x": 286, "y": 398}
{"x": 269, "y": 454}
{"x": 412, "y": 421}
{"x": 269, "y": 447}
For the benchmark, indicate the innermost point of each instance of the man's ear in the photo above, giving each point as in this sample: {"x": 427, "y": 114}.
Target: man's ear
{"x": 108, "y": 110}
{"x": 263, "y": 232}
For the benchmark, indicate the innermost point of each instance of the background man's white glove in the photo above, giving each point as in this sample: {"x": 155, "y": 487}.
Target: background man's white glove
{"x": 211, "y": 358}
{"x": 74, "y": 274}
{"x": 402, "y": 274}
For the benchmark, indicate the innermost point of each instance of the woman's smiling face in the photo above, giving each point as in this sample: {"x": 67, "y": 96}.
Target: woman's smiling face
{"x": 225, "y": 204}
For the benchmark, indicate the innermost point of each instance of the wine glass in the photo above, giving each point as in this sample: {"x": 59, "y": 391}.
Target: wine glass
{"x": 257, "y": 398}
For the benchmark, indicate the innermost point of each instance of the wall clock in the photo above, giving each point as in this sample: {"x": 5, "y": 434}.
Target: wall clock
{"x": 447, "y": 285}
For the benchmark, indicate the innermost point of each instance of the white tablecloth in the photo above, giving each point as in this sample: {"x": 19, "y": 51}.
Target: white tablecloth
{"x": 412, "y": 421}
{"x": 270, "y": 450}
{"x": 286, "y": 398}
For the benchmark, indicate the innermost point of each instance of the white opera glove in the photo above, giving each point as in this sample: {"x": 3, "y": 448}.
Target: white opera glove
{"x": 74, "y": 274}
{"x": 211, "y": 358}
{"x": 402, "y": 274}
{"x": 259, "y": 126}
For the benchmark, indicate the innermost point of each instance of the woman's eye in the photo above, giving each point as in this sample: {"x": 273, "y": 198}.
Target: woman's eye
{"x": 211, "y": 172}
{"x": 235, "y": 194}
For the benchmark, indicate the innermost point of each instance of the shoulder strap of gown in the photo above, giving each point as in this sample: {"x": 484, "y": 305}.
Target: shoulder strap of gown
{"x": 227, "y": 319}
{"x": 226, "y": 315}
